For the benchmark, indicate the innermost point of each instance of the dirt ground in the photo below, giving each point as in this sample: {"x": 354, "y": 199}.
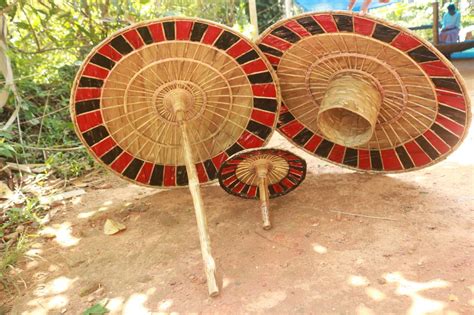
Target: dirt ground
{"x": 418, "y": 260}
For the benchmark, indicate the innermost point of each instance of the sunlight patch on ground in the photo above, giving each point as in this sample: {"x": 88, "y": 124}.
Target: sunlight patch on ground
{"x": 226, "y": 282}
{"x": 375, "y": 294}
{"x": 420, "y": 304}
{"x": 165, "y": 305}
{"x": 361, "y": 309}
{"x": 62, "y": 234}
{"x": 357, "y": 281}
{"x": 319, "y": 249}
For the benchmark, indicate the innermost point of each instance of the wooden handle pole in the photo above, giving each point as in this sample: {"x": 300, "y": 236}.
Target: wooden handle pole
{"x": 193, "y": 180}
{"x": 435, "y": 22}
{"x": 262, "y": 171}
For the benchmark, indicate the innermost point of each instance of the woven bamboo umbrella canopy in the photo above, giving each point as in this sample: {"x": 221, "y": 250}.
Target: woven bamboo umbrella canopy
{"x": 163, "y": 103}
{"x": 262, "y": 174}
{"x": 364, "y": 93}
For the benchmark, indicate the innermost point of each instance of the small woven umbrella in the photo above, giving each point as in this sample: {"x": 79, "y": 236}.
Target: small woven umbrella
{"x": 164, "y": 103}
{"x": 262, "y": 174}
{"x": 366, "y": 94}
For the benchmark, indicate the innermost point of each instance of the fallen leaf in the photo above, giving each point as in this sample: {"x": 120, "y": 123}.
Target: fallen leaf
{"x": 5, "y": 191}
{"x": 112, "y": 227}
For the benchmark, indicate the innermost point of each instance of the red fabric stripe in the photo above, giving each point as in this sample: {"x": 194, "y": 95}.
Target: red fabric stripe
{"x": 337, "y": 153}
{"x": 276, "y": 42}
{"x": 296, "y": 172}
{"x": 272, "y": 59}
{"x": 450, "y": 99}
{"x": 145, "y": 173}
{"x": 297, "y": 28}
{"x": 254, "y": 66}
{"x": 134, "y": 38}
{"x": 292, "y": 128}
{"x": 211, "y": 34}
{"x": 122, "y": 162}
{"x": 405, "y": 42}
{"x": 183, "y": 30}
{"x": 363, "y": 26}
{"x": 94, "y": 71}
{"x": 436, "y": 69}
{"x": 169, "y": 177}
{"x": 390, "y": 160}
{"x": 229, "y": 180}
{"x": 450, "y": 125}
{"x": 266, "y": 118}
{"x": 418, "y": 156}
{"x": 156, "y": 31}
{"x": 89, "y": 120}
{"x": 103, "y": 147}
{"x": 219, "y": 159}
{"x": 239, "y": 48}
{"x": 201, "y": 171}
{"x": 436, "y": 142}
{"x": 110, "y": 52}
{"x": 230, "y": 168}
{"x": 327, "y": 22}
{"x": 313, "y": 143}
{"x": 238, "y": 188}
{"x": 277, "y": 188}
{"x": 265, "y": 90}
{"x": 252, "y": 191}
{"x": 248, "y": 140}
{"x": 83, "y": 94}
{"x": 286, "y": 182}
{"x": 364, "y": 159}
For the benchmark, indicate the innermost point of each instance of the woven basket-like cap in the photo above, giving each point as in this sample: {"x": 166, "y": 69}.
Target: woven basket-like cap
{"x": 239, "y": 174}
{"x": 122, "y": 99}
{"x": 365, "y": 94}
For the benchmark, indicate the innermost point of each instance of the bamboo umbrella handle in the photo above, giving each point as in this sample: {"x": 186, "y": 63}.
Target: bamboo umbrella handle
{"x": 264, "y": 202}
{"x": 193, "y": 182}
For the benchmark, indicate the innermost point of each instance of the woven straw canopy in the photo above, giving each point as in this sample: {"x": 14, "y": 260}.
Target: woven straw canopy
{"x": 123, "y": 100}
{"x": 239, "y": 174}
{"x": 365, "y": 94}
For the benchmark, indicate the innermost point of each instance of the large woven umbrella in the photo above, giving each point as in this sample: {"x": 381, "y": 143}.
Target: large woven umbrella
{"x": 366, "y": 94}
{"x": 164, "y": 103}
{"x": 262, "y": 174}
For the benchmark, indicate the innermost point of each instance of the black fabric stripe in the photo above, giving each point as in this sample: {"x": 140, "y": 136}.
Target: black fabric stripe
{"x": 270, "y": 50}
{"x": 285, "y": 34}
{"x": 102, "y": 61}
{"x": 87, "y": 106}
{"x": 324, "y": 148}
{"x": 110, "y": 156}
{"x": 234, "y": 149}
{"x": 286, "y": 118}
{"x": 170, "y": 33}
{"x": 90, "y": 82}
{"x": 226, "y": 175}
{"x": 271, "y": 190}
{"x": 95, "y": 135}
{"x": 447, "y": 83}
{"x": 447, "y": 136}
{"x": 310, "y": 25}
{"x": 285, "y": 185}
{"x": 350, "y": 157}
{"x": 303, "y": 136}
{"x": 427, "y": 147}
{"x": 376, "y": 160}
{"x": 404, "y": 157}
{"x": 268, "y": 104}
{"x": 157, "y": 175}
{"x": 145, "y": 34}
{"x": 133, "y": 168}
{"x": 384, "y": 33}
{"x": 226, "y": 40}
{"x": 245, "y": 190}
{"x": 452, "y": 113}
{"x": 121, "y": 45}
{"x": 198, "y": 31}
{"x": 422, "y": 54}
{"x": 210, "y": 169}
{"x": 250, "y": 55}
{"x": 344, "y": 23}
{"x": 233, "y": 184}
{"x": 263, "y": 77}
{"x": 181, "y": 175}
{"x": 258, "y": 129}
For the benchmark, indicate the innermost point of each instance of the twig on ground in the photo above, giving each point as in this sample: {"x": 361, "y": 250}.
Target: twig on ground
{"x": 363, "y": 215}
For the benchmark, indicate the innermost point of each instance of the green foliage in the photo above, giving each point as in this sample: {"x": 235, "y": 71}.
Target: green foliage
{"x": 97, "y": 309}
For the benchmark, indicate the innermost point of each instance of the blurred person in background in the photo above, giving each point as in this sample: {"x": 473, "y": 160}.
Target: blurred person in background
{"x": 451, "y": 25}
{"x": 365, "y": 5}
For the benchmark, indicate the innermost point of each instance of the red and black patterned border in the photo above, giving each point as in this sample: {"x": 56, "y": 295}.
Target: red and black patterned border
{"x": 87, "y": 90}
{"x": 444, "y": 135}
{"x": 231, "y": 184}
